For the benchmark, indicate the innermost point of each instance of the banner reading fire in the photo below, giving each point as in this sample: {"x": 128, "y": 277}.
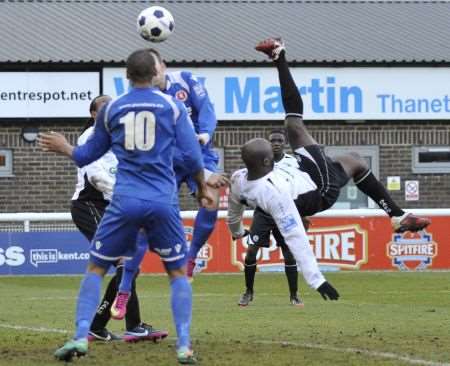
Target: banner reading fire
{"x": 339, "y": 243}
{"x": 338, "y": 246}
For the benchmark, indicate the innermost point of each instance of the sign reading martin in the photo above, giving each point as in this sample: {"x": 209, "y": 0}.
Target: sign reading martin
{"x": 328, "y": 93}
{"x": 47, "y": 94}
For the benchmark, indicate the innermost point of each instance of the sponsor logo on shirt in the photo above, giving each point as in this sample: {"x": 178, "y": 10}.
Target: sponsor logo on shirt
{"x": 288, "y": 223}
{"x": 163, "y": 252}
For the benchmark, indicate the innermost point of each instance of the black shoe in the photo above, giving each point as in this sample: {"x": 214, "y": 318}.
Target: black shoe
{"x": 144, "y": 332}
{"x": 103, "y": 335}
{"x": 296, "y": 301}
{"x": 245, "y": 298}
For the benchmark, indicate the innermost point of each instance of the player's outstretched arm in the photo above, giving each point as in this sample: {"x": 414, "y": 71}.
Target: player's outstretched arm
{"x": 217, "y": 181}
{"x": 289, "y": 223}
{"x": 55, "y": 142}
{"x": 207, "y": 120}
{"x": 186, "y": 142}
{"x": 235, "y": 210}
{"x": 205, "y": 196}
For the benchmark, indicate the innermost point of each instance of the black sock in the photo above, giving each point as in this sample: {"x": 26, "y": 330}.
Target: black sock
{"x": 103, "y": 313}
{"x": 292, "y": 277}
{"x": 372, "y": 187}
{"x": 133, "y": 315}
{"x": 250, "y": 270}
{"x": 292, "y": 100}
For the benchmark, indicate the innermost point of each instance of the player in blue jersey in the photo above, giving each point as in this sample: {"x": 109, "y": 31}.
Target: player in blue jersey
{"x": 187, "y": 89}
{"x": 142, "y": 128}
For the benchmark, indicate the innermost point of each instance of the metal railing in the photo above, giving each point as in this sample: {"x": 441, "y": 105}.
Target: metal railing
{"x": 62, "y": 221}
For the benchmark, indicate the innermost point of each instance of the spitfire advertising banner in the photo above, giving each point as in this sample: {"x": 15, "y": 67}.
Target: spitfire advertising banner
{"x": 339, "y": 244}
{"x": 353, "y": 243}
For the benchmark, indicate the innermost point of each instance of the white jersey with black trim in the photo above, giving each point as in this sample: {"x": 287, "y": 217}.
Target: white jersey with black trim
{"x": 101, "y": 173}
{"x": 287, "y": 160}
{"x": 274, "y": 193}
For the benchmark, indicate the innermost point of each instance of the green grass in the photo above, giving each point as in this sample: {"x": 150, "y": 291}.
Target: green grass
{"x": 407, "y": 314}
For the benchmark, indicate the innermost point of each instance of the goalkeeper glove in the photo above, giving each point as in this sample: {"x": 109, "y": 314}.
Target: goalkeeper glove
{"x": 327, "y": 291}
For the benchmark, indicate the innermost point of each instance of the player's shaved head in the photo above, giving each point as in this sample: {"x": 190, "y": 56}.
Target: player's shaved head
{"x": 141, "y": 66}
{"x": 257, "y": 155}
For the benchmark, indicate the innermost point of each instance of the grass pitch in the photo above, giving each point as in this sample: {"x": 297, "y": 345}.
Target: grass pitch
{"x": 381, "y": 319}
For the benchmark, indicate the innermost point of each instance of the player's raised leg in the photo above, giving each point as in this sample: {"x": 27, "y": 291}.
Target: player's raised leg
{"x": 297, "y": 133}
{"x": 126, "y": 303}
{"x": 353, "y": 165}
{"x": 356, "y": 167}
{"x": 203, "y": 227}
{"x": 205, "y": 221}
{"x": 130, "y": 270}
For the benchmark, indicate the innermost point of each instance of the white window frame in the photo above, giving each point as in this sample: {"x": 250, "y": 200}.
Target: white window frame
{"x": 427, "y": 168}
{"x": 372, "y": 151}
{"x": 7, "y": 170}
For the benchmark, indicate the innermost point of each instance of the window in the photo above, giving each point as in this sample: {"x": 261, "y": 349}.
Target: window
{"x": 6, "y": 163}
{"x": 431, "y": 159}
{"x": 351, "y": 196}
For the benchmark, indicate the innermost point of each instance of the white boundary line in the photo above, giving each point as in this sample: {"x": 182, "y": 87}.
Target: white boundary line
{"x": 325, "y": 347}
{"x": 34, "y": 329}
{"x": 374, "y": 354}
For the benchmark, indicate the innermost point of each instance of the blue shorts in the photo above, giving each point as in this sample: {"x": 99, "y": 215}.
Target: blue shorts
{"x": 182, "y": 172}
{"x": 119, "y": 227}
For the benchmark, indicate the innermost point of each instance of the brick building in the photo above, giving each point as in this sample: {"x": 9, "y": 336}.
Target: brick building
{"x": 366, "y": 43}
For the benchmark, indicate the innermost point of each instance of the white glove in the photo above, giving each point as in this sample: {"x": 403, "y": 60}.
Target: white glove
{"x": 203, "y": 138}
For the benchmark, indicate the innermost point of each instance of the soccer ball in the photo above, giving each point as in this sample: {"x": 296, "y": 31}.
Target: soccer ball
{"x": 155, "y": 24}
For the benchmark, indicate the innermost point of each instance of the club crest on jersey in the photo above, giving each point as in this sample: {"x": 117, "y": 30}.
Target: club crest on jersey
{"x": 204, "y": 255}
{"x": 98, "y": 244}
{"x": 412, "y": 251}
{"x": 181, "y": 95}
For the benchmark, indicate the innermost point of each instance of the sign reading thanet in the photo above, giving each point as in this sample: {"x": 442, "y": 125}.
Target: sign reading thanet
{"x": 328, "y": 93}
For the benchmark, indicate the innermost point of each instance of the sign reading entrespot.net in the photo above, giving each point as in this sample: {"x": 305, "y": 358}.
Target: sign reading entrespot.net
{"x": 357, "y": 93}
{"x": 47, "y": 94}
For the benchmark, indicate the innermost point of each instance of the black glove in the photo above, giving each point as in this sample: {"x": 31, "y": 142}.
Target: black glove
{"x": 328, "y": 292}
{"x": 246, "y": 232}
